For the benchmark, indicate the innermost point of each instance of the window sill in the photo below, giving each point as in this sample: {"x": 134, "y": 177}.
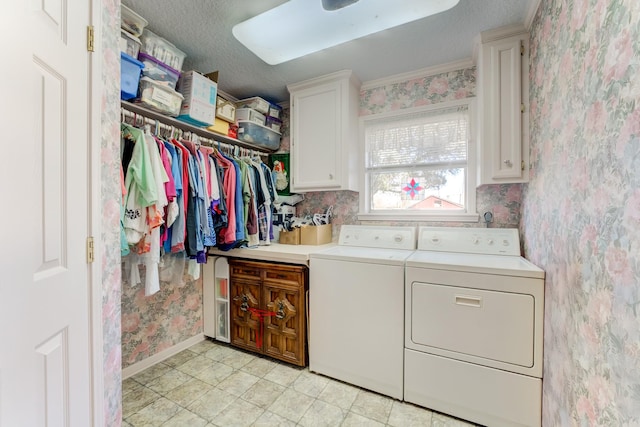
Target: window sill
{"x": 431, "y": 217}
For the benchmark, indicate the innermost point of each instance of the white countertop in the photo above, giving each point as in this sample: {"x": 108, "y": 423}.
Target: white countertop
{"x": 293, "y": 254}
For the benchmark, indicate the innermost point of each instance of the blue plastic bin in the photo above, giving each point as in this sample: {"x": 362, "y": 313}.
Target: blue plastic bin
{"x": 130, "y": 69}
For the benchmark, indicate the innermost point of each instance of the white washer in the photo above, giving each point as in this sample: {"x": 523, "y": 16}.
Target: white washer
{"x": 473, "y": 331}
{"x": 356, "y": 307}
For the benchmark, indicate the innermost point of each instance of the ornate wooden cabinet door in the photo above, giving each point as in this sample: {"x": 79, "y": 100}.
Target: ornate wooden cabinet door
{"x": 245, "y": 290}
{"x": 268, "y": 309}
{"x": 283, "y": 293}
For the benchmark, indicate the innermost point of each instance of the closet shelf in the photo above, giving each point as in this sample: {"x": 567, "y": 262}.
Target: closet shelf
{"x": 150, "y": 114}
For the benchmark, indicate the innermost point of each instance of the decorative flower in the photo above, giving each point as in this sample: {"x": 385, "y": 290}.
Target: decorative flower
{"x": 412, "y": 188}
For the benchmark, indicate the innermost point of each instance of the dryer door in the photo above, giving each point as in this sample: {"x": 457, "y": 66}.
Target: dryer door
{"x": 492, "y": 325}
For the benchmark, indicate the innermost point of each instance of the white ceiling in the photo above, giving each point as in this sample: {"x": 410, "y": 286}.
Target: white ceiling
{"x": 202, "y": 29}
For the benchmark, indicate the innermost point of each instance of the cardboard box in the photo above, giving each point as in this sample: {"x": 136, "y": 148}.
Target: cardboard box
{"x": 200, "y": 93}
{"x": 290, "y": 237}
{"x": 315, "y": 234}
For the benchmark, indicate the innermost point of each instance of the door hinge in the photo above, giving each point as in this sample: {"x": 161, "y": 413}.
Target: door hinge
{"x": 90, "y": 250}
{"x": 522, "y": 164}
{"x": 521, "y": 49}
{"x": 90, "y": 39}
{"x": 522, "y": 108}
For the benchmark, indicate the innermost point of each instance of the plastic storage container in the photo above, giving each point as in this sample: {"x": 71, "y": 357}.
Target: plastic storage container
{"x": 162, "y": 50}
{"x": 256, "y": 103}
{"x": 200, "y": 93}
{"x": 275, "y": 111}
{"x": 250, "y": 115}
{"x": 258, "y": 135}
{"x": 129, "y": 76}
{"x": 273, "y": 123}
{"x": 131, "y": 21}
{"x": 159, "y": 97}
{"x": 158, "y": 71}
{"x": 226, "y": 110}
{"x": 129, "y": 44}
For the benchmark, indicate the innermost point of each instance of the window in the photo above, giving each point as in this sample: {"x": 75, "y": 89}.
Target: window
{"x": 419, "y": 164}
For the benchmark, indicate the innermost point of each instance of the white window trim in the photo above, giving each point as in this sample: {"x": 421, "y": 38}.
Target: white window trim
{"x": 467, "y": 215}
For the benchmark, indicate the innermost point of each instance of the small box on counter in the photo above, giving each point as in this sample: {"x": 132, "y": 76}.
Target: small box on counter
{"x": 200, "y": 93}
{"x": 159, "y": 97}
{"x": 316, "y": 234}
{"x": 289, "y": 237}
{"x": 256, "y": 103}
{"x": 250, "y": 115}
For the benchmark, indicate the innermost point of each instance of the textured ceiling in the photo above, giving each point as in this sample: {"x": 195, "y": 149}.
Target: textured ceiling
{"x": 202, "y": 29}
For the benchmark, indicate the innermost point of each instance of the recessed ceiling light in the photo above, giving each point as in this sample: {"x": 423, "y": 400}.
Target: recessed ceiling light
{"x": 300, "y": 27}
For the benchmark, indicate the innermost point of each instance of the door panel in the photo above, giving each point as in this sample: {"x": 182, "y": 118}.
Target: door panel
{"x": 45, "y": 354}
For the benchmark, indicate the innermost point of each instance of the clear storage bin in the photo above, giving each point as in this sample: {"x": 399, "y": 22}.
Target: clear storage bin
{"x": 256, "y": 103}
{"x": 275, "y": 111}
{"x": 250, "y": 115}
{"x": 273, "y": 123}
{"x": 131, "y": 21}
{"x": 129, "y": 44}
{"x": 258, "y": 135}
{"x": 159, "y": 97}
{"x": 163, "y": 50}
{"x": 158, "y": 71}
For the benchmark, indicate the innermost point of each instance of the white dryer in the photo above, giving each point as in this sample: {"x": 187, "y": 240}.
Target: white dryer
{"x": 356, "y": 307}
{"x": 473, "y": 331}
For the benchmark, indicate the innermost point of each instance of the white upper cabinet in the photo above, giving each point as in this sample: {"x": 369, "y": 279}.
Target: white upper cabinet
{"x": 503, "y": 113}
{"x": 324, "y": 133}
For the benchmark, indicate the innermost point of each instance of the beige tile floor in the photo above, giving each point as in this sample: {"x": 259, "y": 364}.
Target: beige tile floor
{"x": 213, "y": 384}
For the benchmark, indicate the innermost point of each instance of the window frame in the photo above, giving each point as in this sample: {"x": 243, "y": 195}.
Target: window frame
{"x": 468, "y": 214}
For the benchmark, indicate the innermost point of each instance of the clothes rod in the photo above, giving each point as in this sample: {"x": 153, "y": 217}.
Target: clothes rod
{"x": 186, "y": 127}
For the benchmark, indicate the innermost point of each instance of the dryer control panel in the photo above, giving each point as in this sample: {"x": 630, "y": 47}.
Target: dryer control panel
{"x": 494, "y": 241}
{"x": 370, "y": 236}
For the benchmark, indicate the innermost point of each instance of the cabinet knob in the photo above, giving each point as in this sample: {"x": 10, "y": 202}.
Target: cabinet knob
{"x": 508, "y": 163}
{"x": 330, "y": 176}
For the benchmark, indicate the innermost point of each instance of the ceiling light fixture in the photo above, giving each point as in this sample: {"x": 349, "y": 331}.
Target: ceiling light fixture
{"x": 300, "y": 27}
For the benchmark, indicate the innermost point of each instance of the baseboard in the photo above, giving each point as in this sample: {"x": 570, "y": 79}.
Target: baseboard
{"x": 159, "y": 357}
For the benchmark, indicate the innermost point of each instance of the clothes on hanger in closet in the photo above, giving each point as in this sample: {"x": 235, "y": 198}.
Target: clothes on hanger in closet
{"x": 181, "y": 197}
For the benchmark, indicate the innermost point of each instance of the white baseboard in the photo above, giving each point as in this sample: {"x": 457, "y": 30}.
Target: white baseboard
{"x": 159, "y": 357}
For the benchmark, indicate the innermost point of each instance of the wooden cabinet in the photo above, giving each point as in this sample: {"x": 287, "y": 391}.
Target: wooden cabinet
{"x": 268, "y": 312}
{"x": 503, "y": 107}
{"x": 324, "y": 133}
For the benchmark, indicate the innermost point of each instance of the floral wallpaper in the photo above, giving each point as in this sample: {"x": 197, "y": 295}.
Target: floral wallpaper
{"x": 581, "y": 209}
{"x": 503, "y": 200}
{"x": 110, "y": 238}
{"x": 154, "y": 323}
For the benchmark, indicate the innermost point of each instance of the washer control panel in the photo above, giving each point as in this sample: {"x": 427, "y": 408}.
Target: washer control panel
{"x": 378, "y": 237}
{"x": 495, "y": 241}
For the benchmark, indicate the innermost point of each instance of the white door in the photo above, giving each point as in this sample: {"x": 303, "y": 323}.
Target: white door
{"x": 44, "y": 276}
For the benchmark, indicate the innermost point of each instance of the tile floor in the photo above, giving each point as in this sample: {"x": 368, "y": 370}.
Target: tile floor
{"x": 212, "y": 384}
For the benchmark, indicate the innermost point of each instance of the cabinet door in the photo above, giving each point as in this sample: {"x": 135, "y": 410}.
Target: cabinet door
{"x": 284, "y": 336}
{"x": 245, "y": 327}
{"x": 503, "y": 119}
{"x": 315, "y": 138}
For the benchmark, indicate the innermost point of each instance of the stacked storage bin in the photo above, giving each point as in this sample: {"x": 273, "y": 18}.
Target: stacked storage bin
{"x": 225, "y": 119}
{"x": 162, "y": 66}
{"x": 257, "y": 124}
{"x": 132, "y": 26}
